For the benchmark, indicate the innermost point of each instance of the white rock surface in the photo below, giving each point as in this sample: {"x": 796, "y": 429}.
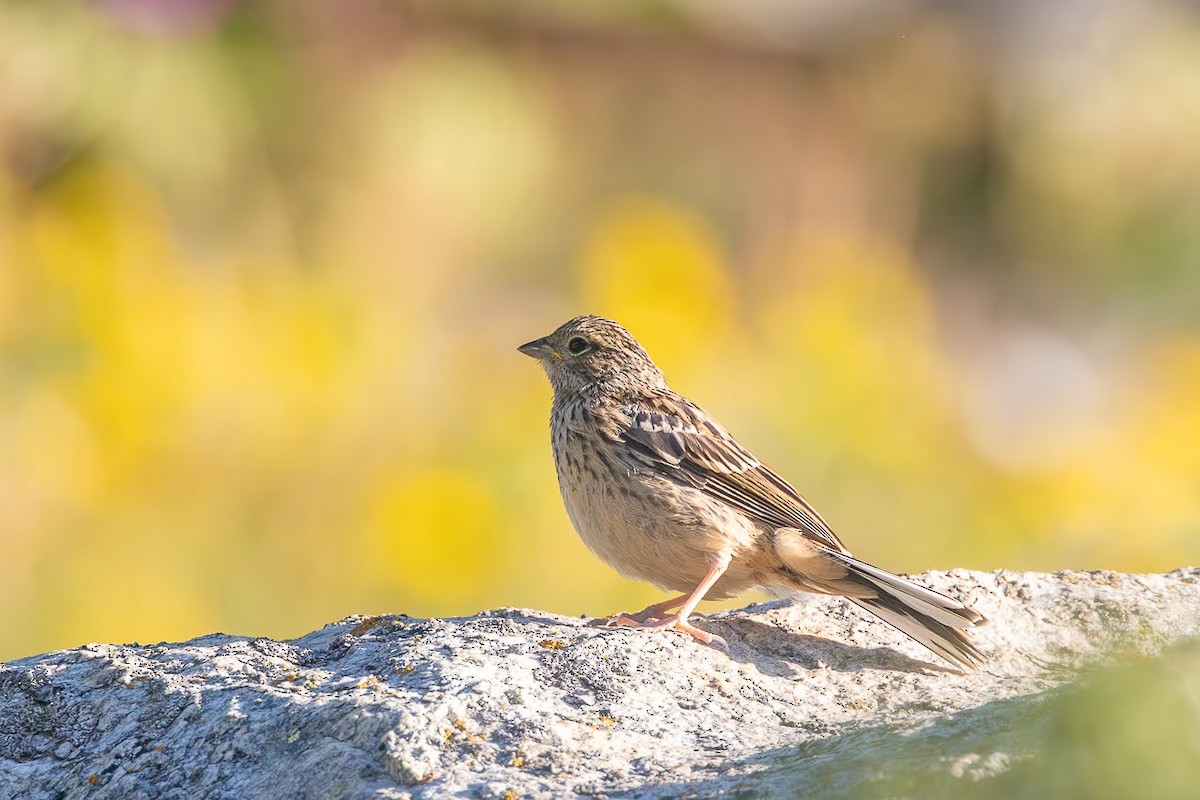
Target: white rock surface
{"x": 814, "y": 699}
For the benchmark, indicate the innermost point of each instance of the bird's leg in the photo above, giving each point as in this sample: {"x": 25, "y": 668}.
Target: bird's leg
{"x": 717, "y": 564}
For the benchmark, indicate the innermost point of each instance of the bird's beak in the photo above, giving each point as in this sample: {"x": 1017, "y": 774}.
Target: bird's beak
{"x": 539, "y": 349}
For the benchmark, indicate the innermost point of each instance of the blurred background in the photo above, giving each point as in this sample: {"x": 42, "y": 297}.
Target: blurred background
{"x": 263, "y": 267}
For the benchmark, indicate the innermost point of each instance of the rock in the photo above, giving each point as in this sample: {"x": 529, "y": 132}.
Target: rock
{"x": 813, "y": 699}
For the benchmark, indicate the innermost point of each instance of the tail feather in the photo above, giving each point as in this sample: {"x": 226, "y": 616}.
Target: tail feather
{"x": 945, "y": 610}
{"x": 933, "y": 620}
{"x": 952, "y": 644}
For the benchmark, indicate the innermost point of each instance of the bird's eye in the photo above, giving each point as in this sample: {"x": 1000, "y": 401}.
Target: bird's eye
{"x": 578, "y": 346}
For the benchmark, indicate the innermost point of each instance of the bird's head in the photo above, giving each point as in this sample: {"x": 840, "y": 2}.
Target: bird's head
{"x": 594, "y": 352}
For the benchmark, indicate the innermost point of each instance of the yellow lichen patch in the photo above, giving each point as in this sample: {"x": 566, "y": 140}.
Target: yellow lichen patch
{"x": 458, "y": 734}
{"x": 552, "y": 644}
{"x": 366, "y": 625}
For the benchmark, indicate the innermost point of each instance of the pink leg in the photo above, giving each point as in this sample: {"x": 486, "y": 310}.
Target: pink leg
{"x": 718, "y": 563}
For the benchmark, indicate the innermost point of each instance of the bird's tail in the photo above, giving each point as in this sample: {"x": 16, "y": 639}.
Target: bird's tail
{"x": 934, "y": 620}
{"x": 940, "y": 624}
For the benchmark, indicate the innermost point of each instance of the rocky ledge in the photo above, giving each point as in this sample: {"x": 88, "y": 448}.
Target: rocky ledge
{"x": 813, "y": 699}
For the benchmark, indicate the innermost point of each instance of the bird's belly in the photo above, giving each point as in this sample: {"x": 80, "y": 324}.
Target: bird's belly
{"x": 651, "y": 529}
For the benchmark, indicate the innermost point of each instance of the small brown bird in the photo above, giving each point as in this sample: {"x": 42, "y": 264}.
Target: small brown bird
{"x": 662, "y": 493}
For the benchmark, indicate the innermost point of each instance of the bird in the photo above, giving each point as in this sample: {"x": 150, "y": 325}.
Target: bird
{"x": 661, "y": 492}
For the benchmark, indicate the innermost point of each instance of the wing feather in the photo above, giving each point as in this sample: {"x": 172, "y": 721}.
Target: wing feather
{"x": 669, "y": 433}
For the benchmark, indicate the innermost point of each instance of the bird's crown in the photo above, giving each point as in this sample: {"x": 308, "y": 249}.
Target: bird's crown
{"x": 594, "y": 352}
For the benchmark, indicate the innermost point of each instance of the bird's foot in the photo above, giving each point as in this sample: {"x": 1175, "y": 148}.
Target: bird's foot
{"x": 652, "y": 613}
{"x": 644, "y": 618}
{"x": 676, "y": 622}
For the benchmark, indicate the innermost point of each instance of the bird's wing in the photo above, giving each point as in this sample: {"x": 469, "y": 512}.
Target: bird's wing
{"x": 667, "y": 432}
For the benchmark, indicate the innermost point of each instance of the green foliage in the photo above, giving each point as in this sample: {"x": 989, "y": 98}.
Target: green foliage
{"x": 1124, "y": 731}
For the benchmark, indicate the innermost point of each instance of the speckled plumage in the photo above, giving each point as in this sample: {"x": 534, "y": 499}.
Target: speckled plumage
{"x": 661, "y": 492}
